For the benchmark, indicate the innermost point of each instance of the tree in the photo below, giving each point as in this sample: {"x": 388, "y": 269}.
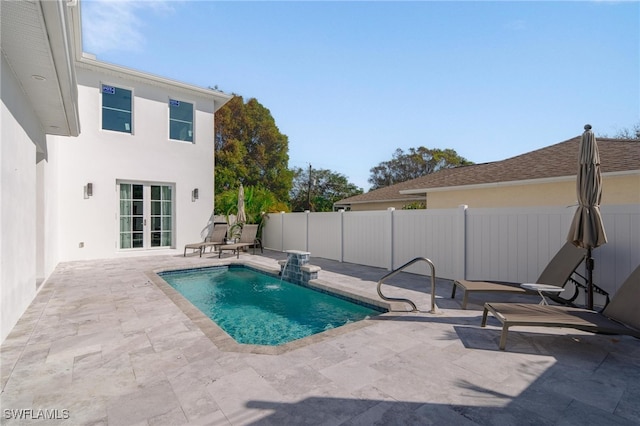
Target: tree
{"x": 625, "y": 133}
{"x": 318, "y": 189}
{"x": 415, "y": 205}
{"x": 257, "y": 202}
{"x": 250, "y": 149}
{"x": 413, "y": 164}
{"x": 630, "y": 134}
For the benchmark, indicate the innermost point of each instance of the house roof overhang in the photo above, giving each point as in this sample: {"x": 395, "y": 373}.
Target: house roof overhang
{"x": 90, "y": 63}
{"x": 87, "y": 61}
{"x": 410, "y": 199}
{"x": 390, "y": 200}
{"x": 37, "y": 45}
{"x": 425, "y": 191}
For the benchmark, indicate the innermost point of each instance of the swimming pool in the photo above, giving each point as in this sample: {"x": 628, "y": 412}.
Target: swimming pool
{"x": 260, "y": 309}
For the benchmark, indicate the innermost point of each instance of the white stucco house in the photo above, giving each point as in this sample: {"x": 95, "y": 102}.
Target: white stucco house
{"x": 97, "y": 160}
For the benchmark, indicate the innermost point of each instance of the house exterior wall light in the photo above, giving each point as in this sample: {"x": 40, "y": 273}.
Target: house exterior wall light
{"x": 88, "y": 190}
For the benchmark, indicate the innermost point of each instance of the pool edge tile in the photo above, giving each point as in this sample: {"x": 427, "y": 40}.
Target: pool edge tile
{"x": 226, "y": 343}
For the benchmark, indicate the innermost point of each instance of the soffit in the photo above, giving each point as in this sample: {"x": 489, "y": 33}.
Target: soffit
{"x": 27, "y": 47}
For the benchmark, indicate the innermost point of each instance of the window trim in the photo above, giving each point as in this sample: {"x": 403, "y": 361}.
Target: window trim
{"x": 146, "y": 245}
{"x": 193, "y": 120}
{"x": 101, "y": 107}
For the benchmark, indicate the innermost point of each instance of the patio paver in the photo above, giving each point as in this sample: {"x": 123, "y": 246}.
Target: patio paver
{"x": 102, "y": 344}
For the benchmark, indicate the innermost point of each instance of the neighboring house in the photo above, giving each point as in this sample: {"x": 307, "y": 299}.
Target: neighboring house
{"x": 544, "y": 177}
{"x": 380, "y": 199}
{"x": 97, "y": 160}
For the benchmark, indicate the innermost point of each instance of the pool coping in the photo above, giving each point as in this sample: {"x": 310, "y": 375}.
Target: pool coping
{"x": 226, "y": 343}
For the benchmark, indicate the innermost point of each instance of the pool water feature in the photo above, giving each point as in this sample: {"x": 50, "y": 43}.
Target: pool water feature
{"x": 260, "y": 309}
{"x": 284, "y": 268}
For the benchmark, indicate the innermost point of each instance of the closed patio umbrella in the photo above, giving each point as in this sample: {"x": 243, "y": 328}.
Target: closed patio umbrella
{"x": 587, "y": 230}
{"x": 242, "y": 216}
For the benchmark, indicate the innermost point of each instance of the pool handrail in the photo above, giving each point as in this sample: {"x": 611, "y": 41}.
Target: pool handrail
{"x": 406, "y": 265}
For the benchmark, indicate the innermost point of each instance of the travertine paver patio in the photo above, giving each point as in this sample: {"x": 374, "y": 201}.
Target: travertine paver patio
{"x": 102, "y": 344}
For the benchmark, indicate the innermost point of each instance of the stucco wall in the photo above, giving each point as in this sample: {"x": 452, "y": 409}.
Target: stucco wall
{"x": 621, "y": 189}
{"x": 146, "y": 156}
{"x": 616, "y": 190}
{"x": 47, "y": 214}
{"x": 20, "y": 133}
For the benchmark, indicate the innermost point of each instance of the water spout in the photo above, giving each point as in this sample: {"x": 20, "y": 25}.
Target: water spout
{"x": 284, "y": 268}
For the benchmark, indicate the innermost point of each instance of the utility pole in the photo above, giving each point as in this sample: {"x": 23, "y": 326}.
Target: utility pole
{"x": 309, "y": 190}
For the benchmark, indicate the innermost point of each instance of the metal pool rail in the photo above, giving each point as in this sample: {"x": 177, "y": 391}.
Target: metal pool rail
{"x": 406, "y": 265}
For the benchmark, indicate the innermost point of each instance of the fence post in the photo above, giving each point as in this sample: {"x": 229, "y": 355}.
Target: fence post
{"x": 306, "y": 243}
{"x": 341, "y": 235}
{"x": 460, "y": 244}
{"x": 281, "y": 231}
{"x": 391, "y": 242}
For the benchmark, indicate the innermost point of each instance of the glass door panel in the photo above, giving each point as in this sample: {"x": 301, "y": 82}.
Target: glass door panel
{"x": 131, "y": 216}
{"x": 142, "y": 205}
{"x": 161, "y": 216}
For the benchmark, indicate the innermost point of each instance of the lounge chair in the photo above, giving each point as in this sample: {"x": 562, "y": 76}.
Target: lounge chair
{"x": 215, "y": 237}
{"x": 620, "y": 316}
{"x": 248, "y": 238}
{"x": 557, "y": 272}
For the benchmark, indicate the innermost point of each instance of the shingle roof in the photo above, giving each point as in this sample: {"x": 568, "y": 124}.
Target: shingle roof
{"x": 388, "y": 193}
{"x": 616, "y": 155}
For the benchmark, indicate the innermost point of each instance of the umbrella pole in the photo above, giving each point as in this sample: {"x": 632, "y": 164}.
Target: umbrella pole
{"x": 589, "y": 279}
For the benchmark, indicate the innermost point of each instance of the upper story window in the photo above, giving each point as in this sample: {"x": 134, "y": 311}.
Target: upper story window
{"x": 180, "y": 120}
{"x": 116, "y": 109}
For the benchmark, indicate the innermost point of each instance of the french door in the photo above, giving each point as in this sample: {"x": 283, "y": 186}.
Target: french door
{"x": 145, "y": 215}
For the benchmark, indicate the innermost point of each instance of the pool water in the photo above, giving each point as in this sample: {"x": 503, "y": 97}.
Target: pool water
{"x": 256, "y": 308}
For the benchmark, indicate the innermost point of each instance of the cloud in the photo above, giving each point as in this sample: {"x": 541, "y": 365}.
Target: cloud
{"x": 109, "y": 25}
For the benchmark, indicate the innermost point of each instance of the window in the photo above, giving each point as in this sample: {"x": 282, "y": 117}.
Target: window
{"x": 116, "y": 109}
{"x": 180, "y": 120}
{"x": 142, "y": 205}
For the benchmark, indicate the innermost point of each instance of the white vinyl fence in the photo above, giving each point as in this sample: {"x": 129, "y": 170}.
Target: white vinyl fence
{"x": 507, "y": 244}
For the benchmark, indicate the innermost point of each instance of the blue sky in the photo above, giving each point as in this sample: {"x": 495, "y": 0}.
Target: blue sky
{"x": 349, "y": 82}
